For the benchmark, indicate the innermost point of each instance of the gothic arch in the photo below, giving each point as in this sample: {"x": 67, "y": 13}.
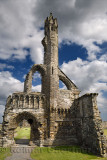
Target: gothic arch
{"x": 39, "y": 68}
{"x": 69, "y": 84}
{"x": 24, "y": 115}
{"x": 28, "y": 81}
{"x": 65, "y": 81}
{"x": 32, "y": 120}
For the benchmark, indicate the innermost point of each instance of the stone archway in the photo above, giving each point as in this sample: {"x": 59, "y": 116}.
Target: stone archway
{"x": 34, "y": 124}
{"x": 28, "y": 80}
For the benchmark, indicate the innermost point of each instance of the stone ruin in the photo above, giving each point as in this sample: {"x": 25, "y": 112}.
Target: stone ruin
{"x": 56, "y": 116}
{"x": 24, "y": 124}
{"x": 104, "y": 123}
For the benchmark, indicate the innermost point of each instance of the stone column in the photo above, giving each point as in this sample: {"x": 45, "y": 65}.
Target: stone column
{"x": 34, "y": 102}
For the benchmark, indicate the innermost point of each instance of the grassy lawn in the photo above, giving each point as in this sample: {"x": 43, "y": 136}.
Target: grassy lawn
{"x": 105, "y": 132}
{"x": 55, "y": 153}
{"x": 4, "y": 152}
{"x": 61, "y": 153}
{"x": 21, "y": 133}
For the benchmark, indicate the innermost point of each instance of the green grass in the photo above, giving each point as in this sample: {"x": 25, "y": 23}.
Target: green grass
{"x": 55, "y": 153}
{"x": 4, "y": 152}
{"x": 105, "y": 132}
{"x": 61, "y": 153}
{"x": 22, "y": 133}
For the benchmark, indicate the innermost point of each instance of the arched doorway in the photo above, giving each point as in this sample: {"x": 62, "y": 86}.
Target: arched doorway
{"x": 22, "y": 133}
{"x": 34, "y": 137}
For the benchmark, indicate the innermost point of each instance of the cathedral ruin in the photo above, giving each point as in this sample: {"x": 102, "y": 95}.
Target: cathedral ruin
{"x": 56, "y": 116}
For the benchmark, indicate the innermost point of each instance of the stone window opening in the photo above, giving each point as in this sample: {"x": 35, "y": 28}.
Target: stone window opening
{"x": 62, "y": 85}
{"x": 36, "y": 82}
{"x": 52, "y": 70}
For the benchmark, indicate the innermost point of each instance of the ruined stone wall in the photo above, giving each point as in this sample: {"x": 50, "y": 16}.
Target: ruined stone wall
{"x": 20, "y": 106}
{"x": 63, "y": 130}
{"x": 65, "y": 98}
{"x": 22, "y": 100}
{"x": 89, "y": 124}
{"x": 104, "y": 124}
{"x": 24, "y": 123}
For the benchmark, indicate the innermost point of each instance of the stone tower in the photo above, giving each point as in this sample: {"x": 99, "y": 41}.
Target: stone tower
{"x": 56, "y": 116}
{"x": 50, "y": 43}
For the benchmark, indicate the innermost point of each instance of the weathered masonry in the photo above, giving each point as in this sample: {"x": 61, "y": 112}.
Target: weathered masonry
{"x": 57, "y": 117}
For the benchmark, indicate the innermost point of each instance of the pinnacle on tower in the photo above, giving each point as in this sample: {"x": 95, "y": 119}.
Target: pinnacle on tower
{"x": 51, "y": 16}
{"x": 51, "y": 33}
{"x": 50, "y": 24}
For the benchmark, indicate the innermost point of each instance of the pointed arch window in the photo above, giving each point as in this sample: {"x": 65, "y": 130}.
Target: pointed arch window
{"x": 36, "y": 82}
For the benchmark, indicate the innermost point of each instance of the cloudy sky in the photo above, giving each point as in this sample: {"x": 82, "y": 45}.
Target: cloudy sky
{"x": 82, "y": 44}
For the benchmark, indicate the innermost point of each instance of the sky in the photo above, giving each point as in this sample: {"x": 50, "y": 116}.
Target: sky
{"x": 82, "y": 36}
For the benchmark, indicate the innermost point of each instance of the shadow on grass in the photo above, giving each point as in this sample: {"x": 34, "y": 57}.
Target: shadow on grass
{"x": 73, "y": 149}
{"x": 22, "y": 141}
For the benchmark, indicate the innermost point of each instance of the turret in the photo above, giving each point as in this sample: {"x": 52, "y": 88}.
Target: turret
{"x": 51, "y": 25}
{"x": 50, "y": 41}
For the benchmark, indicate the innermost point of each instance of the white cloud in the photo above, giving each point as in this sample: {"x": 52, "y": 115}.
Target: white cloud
{"x": 18, "y": 32}
{"x": 90, "y": 77}
{"x": 5, "y": 66}
{"x": 80, "y": 21}
{"x": 2, "y": 107}
{"x": 36, "y": 76}
{"x": 36, "y": 88}
{"x": 8, "y": 85}
{"x": 86, "y": 74}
